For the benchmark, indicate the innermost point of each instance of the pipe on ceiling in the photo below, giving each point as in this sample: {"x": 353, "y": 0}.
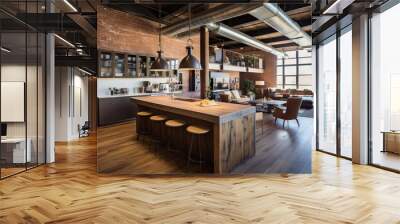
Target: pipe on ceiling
{"x": 219, "y": 13}
{"x": 238, "y": 36}
{"x": 274, "y": 16}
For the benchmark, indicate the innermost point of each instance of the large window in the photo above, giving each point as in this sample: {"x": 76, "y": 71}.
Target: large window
{"x": 346, "y": 92}
{"x": 327, "y": 96}
{"x": 385, "y": 89}
{"x": 334, "y": 85}
{"x": 295, "y": 70}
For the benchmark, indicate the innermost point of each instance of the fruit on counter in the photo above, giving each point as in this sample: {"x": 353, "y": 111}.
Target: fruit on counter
{"x": 207, "y": 102}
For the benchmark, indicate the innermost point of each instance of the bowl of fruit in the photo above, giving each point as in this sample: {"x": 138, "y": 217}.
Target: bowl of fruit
{"x": 208, "y": 103}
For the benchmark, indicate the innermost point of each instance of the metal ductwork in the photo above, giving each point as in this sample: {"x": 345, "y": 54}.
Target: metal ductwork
{"x": 219, "y": 13}
{"x": 238, "y": 36}
{"x": 274, "y": 16}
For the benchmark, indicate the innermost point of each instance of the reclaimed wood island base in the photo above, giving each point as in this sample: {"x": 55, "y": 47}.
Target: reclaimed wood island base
{"x": 232, "y": 126}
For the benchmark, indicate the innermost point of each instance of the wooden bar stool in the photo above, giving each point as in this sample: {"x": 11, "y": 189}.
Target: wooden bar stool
{"x": 174, "y": 129}
{"x": 142, "y": 124}
{"x": 197, "y": 132}
{"x": 157, "y": 128}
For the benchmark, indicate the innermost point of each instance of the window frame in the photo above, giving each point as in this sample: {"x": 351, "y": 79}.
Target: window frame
{"x": 297, "y": 74}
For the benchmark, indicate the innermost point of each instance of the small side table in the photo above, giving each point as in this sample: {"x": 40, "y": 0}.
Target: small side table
{"x": 391, "y": 141}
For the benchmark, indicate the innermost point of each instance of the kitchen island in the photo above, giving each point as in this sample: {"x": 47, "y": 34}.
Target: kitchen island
{"x": 232, "y": 126}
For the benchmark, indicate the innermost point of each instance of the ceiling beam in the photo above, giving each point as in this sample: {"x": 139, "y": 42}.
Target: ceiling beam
{"x": 82, "y": 61}
{"x": 137, "y": 10}
{"x": 50, "y": 22}
{"x": 84, "y": 24}
{"x": 286, "y": 45}
{"x": 176, "y": 15}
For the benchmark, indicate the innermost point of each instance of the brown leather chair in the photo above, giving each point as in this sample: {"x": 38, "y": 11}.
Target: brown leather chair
{"x": 290, "y": 113}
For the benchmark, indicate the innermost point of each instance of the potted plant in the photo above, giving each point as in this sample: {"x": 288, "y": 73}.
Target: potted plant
{"x": 248, "y": 87}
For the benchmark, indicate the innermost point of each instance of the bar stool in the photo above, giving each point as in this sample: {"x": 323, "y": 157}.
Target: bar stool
{"x": 157, "y": 129}
{"x": 172, "y": 127}
{"x": 196, "y": 132}
{"x": 142, "y": 124}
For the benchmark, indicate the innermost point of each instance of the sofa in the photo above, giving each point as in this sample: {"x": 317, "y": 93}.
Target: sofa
{"x": 283, "y": 94}
{"x": 234, "y": 96}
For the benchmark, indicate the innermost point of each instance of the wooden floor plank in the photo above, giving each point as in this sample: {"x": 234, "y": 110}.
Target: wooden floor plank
{"x": 278, "y": 150}
{"x": 71, "y": 191}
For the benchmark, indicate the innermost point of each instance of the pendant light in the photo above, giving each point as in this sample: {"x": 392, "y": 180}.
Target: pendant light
{"x": 189, "y": 62}
{"x": 160, "y": 64}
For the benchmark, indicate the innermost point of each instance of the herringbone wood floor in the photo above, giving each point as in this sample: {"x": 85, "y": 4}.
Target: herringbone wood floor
{"x": 70, "y": 191}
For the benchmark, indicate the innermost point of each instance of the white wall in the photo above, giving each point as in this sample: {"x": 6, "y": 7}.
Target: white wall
{"x": 71, "y": 103}
{"x": 12, "y": 73}
{"x": 16, "y": 73}
{"x": 33, "y": 126}
{"x": 81, "y": 109}
{"x": 62, "y": 81}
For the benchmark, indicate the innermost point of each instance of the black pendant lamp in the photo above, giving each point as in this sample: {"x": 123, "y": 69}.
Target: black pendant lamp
{"x": 190, "y": 62}
{"x": 160, "y": 64}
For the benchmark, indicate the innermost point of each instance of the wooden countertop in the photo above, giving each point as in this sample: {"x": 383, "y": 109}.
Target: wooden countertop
{"x": 221, "y": 113}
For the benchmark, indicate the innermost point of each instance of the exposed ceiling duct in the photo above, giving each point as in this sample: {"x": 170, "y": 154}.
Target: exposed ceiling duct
{"x": 219, "y": 13}
{"x": 274, "y": 16}
{"x": 238, "y": 36}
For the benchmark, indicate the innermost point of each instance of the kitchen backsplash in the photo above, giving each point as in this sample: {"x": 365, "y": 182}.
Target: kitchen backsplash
{"x": 103, "y": 84}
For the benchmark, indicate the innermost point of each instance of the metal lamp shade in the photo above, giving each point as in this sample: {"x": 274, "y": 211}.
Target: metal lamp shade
{"x": 160, "y": 64}
{"x": 190, "y": 62}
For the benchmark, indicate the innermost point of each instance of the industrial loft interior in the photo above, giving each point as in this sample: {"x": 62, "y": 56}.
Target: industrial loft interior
{"x": 257, "y": 116}
{"x": 199, "y": 111}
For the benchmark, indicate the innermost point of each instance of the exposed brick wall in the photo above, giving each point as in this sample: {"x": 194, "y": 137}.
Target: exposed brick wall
{"x": 122, "y": 32}
{"x": 269, "y": 75}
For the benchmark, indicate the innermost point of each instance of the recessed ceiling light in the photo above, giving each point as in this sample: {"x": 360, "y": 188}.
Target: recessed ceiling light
{"x": 64, "y": 40}
{"x": 5, "y": 50}
{"x": 84, "y": 71}
{"x": 337, "y": 7}
{"x": 70, "y": 5}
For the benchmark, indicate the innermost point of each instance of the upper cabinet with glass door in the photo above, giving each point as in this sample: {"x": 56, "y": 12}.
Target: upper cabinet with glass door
{"x": 123, "y": 65}
{"x": 142, "y": 66}
{"x": 119, "y": 68}
{"x": 132, "y": 66}
{"x": 106, "y": 64}
{"x": 150, "y": 61}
